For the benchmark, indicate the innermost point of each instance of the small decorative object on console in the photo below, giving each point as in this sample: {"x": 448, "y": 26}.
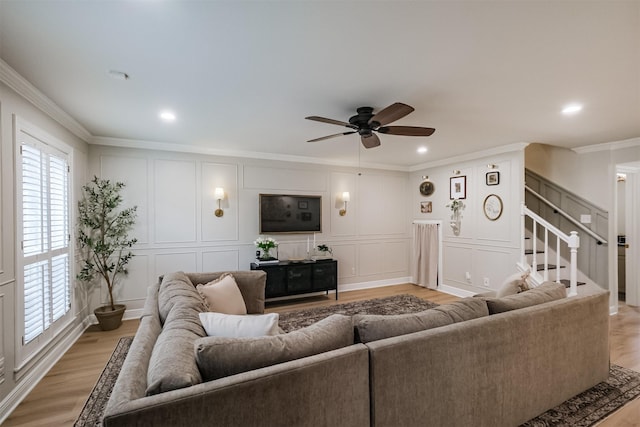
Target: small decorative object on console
{"x": 323, "y": 252}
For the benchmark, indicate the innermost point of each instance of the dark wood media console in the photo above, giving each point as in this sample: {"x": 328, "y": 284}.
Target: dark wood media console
{"x": 294, "y": 278}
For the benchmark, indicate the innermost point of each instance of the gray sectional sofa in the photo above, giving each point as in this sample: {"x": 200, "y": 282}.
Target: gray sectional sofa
{"x": 477, "y": 362}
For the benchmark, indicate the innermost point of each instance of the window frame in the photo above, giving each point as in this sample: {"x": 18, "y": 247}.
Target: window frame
{"x": 28, "y": 134}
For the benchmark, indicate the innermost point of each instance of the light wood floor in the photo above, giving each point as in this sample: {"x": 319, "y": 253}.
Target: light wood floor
{"x": 59, "y": 397}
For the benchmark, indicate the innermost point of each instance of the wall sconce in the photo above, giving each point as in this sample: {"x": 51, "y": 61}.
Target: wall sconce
{"x": 219, "y": 195}
{"x": 456, "y": 172}
{"x": 345, "y": 198}
{"x": 491, "y": 166}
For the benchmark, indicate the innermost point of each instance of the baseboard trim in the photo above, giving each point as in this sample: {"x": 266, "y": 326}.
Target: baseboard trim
{"x": 451, "y": 290}
{"x": 38, "y": 372}
{"x": 374, "y": 284}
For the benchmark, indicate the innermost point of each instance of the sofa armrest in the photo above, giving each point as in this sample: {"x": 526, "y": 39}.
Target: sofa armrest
{"x": 330, "y": 388}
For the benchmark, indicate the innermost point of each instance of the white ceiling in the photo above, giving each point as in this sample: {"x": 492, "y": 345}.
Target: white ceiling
{"x": 241, "y": 76}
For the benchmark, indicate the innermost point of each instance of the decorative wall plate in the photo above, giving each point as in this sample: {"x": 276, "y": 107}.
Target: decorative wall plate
{"x": 427, "y": 188}
{"x": 492, "y": 207}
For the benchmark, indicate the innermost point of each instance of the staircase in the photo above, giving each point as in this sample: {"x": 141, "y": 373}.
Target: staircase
{"x": 554, "y": 242}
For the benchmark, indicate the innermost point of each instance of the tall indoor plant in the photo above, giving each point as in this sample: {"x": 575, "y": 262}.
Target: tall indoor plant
{"x": 104, "y": 242}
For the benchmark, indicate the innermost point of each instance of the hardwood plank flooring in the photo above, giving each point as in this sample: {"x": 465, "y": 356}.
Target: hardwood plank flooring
{"x": 58, "y": 399}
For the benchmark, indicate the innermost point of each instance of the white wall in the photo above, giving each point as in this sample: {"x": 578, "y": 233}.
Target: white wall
{"x": 13, "y": 385}
{"x": 484, "y": 249}
{"x": 177, "y": 230}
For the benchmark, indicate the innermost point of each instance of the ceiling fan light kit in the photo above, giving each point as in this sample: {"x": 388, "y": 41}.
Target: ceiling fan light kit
{"x": 365, "y": 123}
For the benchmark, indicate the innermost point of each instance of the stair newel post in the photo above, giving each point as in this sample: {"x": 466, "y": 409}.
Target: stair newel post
{"x": 574, "y": 244}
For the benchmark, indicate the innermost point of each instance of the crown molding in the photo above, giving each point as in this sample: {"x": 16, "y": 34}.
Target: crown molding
{"x": 192, "y": 149}
{"x": 608, "y": 146}
{"x": 22, "y": 87}
{"x": 518, "y": 146}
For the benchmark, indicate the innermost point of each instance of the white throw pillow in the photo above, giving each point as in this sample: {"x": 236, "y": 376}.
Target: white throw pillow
{"x": 234, "y": 326}
{"x": 223, "y": 295}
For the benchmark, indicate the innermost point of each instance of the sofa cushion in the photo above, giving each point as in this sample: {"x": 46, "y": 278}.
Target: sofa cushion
{"x": 514, "y": 284}
{"x": 547, "y": 291}
{"x": 464, "y": 309}
{"x": 223, "y": 295}
{"x": 172, "y": 365}
{"x": 236, "y": 326}
{"x": 373, "y": 327}
{"x": 177, "y": 289}
{"x": 220, "y": 357}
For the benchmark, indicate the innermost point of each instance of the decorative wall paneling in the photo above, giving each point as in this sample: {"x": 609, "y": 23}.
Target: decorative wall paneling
{"x": 484, "y": 249}
{"x": 175, "y": 195}
{"x": 2, "y": 339}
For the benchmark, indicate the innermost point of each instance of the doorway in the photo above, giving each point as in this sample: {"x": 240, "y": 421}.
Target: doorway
{"x": 628, "y": 231}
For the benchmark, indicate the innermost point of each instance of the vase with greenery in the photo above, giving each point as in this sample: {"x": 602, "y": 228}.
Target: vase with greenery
{"x": 323, "y": 252}
{"x": 104, "y": 242}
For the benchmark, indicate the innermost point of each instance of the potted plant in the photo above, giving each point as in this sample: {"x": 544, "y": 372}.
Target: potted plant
{"x": 104, "y": 243}
{"x": 323, "y": 252}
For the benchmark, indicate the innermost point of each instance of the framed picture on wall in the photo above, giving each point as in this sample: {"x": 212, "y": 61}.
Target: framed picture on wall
{"x": 426, "y": 207}
{"x": 458, "y": 187}
{"x": 493, "y": 178}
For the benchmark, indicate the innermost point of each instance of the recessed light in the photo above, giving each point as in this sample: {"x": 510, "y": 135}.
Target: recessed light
{"x": 572, "y": 108}
{"x": 422, "y": 150}
{"x": 167, "y": 116}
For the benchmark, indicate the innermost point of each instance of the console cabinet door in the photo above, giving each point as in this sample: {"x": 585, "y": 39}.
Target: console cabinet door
{"x": 325, "y": 276}
{"x": 299, "y": 278}
{"x": 276, "y": 281}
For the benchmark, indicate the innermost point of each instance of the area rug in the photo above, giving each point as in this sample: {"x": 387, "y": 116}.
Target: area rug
{"x": 396, "y": 304}
{"x": 583, "y": 410}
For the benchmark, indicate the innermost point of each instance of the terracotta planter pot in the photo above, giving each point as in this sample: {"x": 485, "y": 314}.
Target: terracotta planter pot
{"x": 110, "y": 319}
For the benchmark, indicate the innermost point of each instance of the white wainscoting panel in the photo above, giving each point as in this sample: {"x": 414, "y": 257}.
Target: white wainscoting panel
{"x": 220, "y": 260}
{"x": 343, "y": 225}
{"x": 175, "y": 261}
{"x": 175, "y": 195}
{"x": 346, "y": 256}
{"x": 382, "y": 205}
{"x": 2, "y": 340}
{"x": 494, "y": 264}
{"x": 225, "y": 227}
{"x": 457, "y": 262}
{"x": 282, "y": 179}
{"x": 134, "y": 285}
{"x": 133, "y": 171}
{"x": 383, "y": 257}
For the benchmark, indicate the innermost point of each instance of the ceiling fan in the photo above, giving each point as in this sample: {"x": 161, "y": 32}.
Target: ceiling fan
{"x": 366, "y": 123}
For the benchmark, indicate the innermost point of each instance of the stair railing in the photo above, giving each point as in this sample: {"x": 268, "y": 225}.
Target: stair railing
{"x": 571, "y": 240}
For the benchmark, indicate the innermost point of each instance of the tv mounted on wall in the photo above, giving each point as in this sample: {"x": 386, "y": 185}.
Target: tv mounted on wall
{"x": 282, "y": 213}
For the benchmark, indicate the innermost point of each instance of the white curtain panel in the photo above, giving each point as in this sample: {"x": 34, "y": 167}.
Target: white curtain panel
{"x": 424, "y": 268}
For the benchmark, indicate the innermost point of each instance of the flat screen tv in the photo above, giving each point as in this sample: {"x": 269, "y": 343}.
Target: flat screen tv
{"x": 282, "y": 213}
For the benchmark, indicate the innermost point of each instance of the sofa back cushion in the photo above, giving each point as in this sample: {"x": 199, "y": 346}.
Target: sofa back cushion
{"x": 220, "y": 357}
{"x": 177, "y": 289}
{"x": 371, "y": 327}
{"x": 547, "y": 291}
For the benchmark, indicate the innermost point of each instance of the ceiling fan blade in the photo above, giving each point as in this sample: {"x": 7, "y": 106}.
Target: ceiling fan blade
{"x": 406, "y": 130}
{"x": 331, "y": 136}
{"x": 392, "y": 113}
{"x": 331, "y": 121}
{"x": 370, "y": 141}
